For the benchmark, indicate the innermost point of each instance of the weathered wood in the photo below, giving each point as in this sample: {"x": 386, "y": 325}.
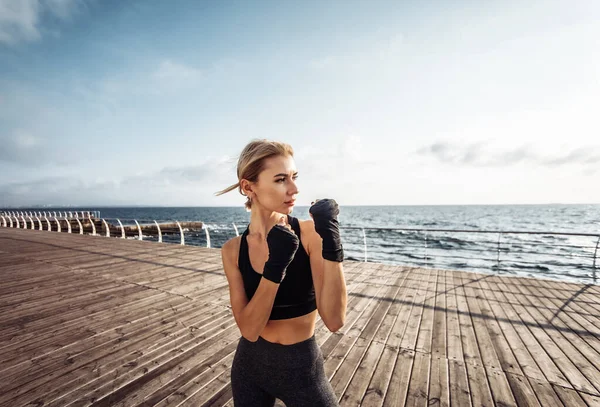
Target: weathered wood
{"x": 93, "y": 321}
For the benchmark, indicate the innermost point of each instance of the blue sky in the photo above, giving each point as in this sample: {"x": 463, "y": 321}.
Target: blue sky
{"x": 385, "y": 103}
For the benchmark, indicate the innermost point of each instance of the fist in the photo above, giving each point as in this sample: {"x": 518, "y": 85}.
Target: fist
{"x": 324, "y": 209}
{"x": 283, "y": 244}
{"x": 325, "y": 212}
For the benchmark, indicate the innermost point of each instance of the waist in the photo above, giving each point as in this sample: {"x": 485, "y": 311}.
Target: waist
{"x": 278, "y": 356}
{"x": 290, "y": 331}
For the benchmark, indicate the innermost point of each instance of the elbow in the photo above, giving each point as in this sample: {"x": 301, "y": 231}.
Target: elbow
{"x": 250, "y": 334}
{"x": 335, "y": 325}
{"x": 251, "y": 338}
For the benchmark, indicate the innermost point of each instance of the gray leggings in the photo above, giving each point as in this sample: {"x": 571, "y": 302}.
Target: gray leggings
{"x": 263, "y": 371}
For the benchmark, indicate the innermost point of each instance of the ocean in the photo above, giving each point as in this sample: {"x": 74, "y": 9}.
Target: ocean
{"x": 534, "y": 255}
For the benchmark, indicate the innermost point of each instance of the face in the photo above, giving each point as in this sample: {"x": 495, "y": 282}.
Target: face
{"x": 276, "y": 189}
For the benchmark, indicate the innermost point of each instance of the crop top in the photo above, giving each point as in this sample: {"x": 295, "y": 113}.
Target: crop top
{"x": 296, "y": 293}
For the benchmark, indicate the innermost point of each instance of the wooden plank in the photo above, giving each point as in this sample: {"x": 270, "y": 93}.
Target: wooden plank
{"x": 439, "y": 386}
{"x": 376, "y": 391}
{"x": 591, "y": 401}
{"x": 409, "y": 330}
{"x": 455, "y": 347}
{"x": 397, "y": 389}
{"x": 87, "y": 360}
{"x": 569, "y": 397}
{"x": 418, "y": 387}
{"x": 496, "y": 379}
{"x": 544, "y": 392}
{"x": 544, "y": 362}
{"x": 341, "y": 364}
{"x": 439, "y": 339}
{"x": 460, "y": 393}
{"x": 574, "y": 347}
{"x": 570, "y": 370}
{"x": 359, "y": 382}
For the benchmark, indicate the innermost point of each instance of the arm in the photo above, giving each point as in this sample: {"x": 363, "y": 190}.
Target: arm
{"x": 330, "y": 285}
{"x": 251, "y": 316}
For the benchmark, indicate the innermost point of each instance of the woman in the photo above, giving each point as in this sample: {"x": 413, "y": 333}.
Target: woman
{"x": 281, "y": 271}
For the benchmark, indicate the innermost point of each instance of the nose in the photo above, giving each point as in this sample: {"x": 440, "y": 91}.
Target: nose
{"x": 293, "y": 190}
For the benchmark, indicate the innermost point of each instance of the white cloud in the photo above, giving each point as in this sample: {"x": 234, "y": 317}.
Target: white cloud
{"x": 23, "y": 148}
{"x": 21, "y": 20}
{"x": 489, "y": 154}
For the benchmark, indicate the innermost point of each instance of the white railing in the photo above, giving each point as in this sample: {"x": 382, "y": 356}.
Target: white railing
{"x": 493, "y": 249}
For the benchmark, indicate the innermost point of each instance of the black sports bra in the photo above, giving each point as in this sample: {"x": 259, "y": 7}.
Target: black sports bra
{"x": 296, "y": 294}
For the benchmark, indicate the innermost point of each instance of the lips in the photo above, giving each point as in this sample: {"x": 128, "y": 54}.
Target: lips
{"x": 290, "y": 202}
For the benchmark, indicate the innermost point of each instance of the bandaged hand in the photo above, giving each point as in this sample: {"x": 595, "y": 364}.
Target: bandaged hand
{"x": 283, "y": 244}
{"x": 324, "y": 213}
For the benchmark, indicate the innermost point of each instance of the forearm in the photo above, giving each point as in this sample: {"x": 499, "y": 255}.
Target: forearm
{"x": 256, "y": 313}
{"x": 333, "y": 298}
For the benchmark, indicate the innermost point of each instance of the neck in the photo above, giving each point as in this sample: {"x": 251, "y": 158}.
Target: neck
{"x": 261, "y": 222}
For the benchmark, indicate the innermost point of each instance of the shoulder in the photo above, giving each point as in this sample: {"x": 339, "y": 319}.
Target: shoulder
{"x": 309, "y": 236}
{"x": 307, "y": 226}
{"x": 231, "y": 249}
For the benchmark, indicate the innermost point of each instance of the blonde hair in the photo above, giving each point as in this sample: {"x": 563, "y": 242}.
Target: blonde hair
{"x": 251, "y": 162}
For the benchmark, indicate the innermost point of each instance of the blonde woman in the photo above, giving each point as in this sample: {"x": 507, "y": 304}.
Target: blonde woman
{"x": 281, "y": 272}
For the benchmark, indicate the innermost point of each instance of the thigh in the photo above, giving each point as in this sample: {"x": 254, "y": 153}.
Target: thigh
{"x": 318, "y": 392}
{"x": 246, "y": 393}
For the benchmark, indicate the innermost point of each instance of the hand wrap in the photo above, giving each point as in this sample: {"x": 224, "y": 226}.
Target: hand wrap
{"x": 324, "y": 213}
{"x": 283, "y": 244}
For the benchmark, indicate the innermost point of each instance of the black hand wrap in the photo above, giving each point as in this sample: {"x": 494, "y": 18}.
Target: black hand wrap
{"x": 283, "y": 244}
{"x": 324, "y": 213}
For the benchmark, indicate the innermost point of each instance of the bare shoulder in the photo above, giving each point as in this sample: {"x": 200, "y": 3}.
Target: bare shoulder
{"x": 231, "y": 249}
{"x": 309, "y": 236}
{"x": 307, "y": 225}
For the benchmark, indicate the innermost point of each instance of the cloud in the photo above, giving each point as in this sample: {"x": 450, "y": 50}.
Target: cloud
{"x": 23, "y": 20}
{"x": 213, "y": 171}
{"x": 20, "y": 147}
{"x": 25, "y": 149}
{"x": 485, "y": 155}
{"x": 578, "y": 156}
{"x": 171, "y": 185}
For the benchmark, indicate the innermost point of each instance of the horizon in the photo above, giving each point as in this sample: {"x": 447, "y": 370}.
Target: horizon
{"x": 297, "y": 206}
{"x": 385, "y": 104}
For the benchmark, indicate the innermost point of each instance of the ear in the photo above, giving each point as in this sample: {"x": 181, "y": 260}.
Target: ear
{"x": 246, "y": 187}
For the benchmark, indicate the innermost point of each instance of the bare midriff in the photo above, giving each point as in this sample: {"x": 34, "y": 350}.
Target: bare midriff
{"x": 290, "y": 331}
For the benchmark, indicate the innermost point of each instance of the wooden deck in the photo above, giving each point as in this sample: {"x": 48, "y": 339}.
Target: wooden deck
{"x": 109, "y": 322}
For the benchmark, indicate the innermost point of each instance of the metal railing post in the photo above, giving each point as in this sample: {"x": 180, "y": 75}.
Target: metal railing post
{"x": 498, "y": 257}
{"x": 426, "y": 247}
{"x": 159, "y": 232}
{"x": 365, "y": 243}
{"x": 107, "y": 228}
{"x": 595, "y": 258}
{"x": 207, "y": 235}
{"x": 181, "y": 232}
{"x": 122, "y": 229}
{"x": 93, "y": 225}
{"x": 140, "y": 236}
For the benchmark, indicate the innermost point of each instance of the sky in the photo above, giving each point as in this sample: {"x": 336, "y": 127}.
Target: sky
{"x": 384, "y": 102}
